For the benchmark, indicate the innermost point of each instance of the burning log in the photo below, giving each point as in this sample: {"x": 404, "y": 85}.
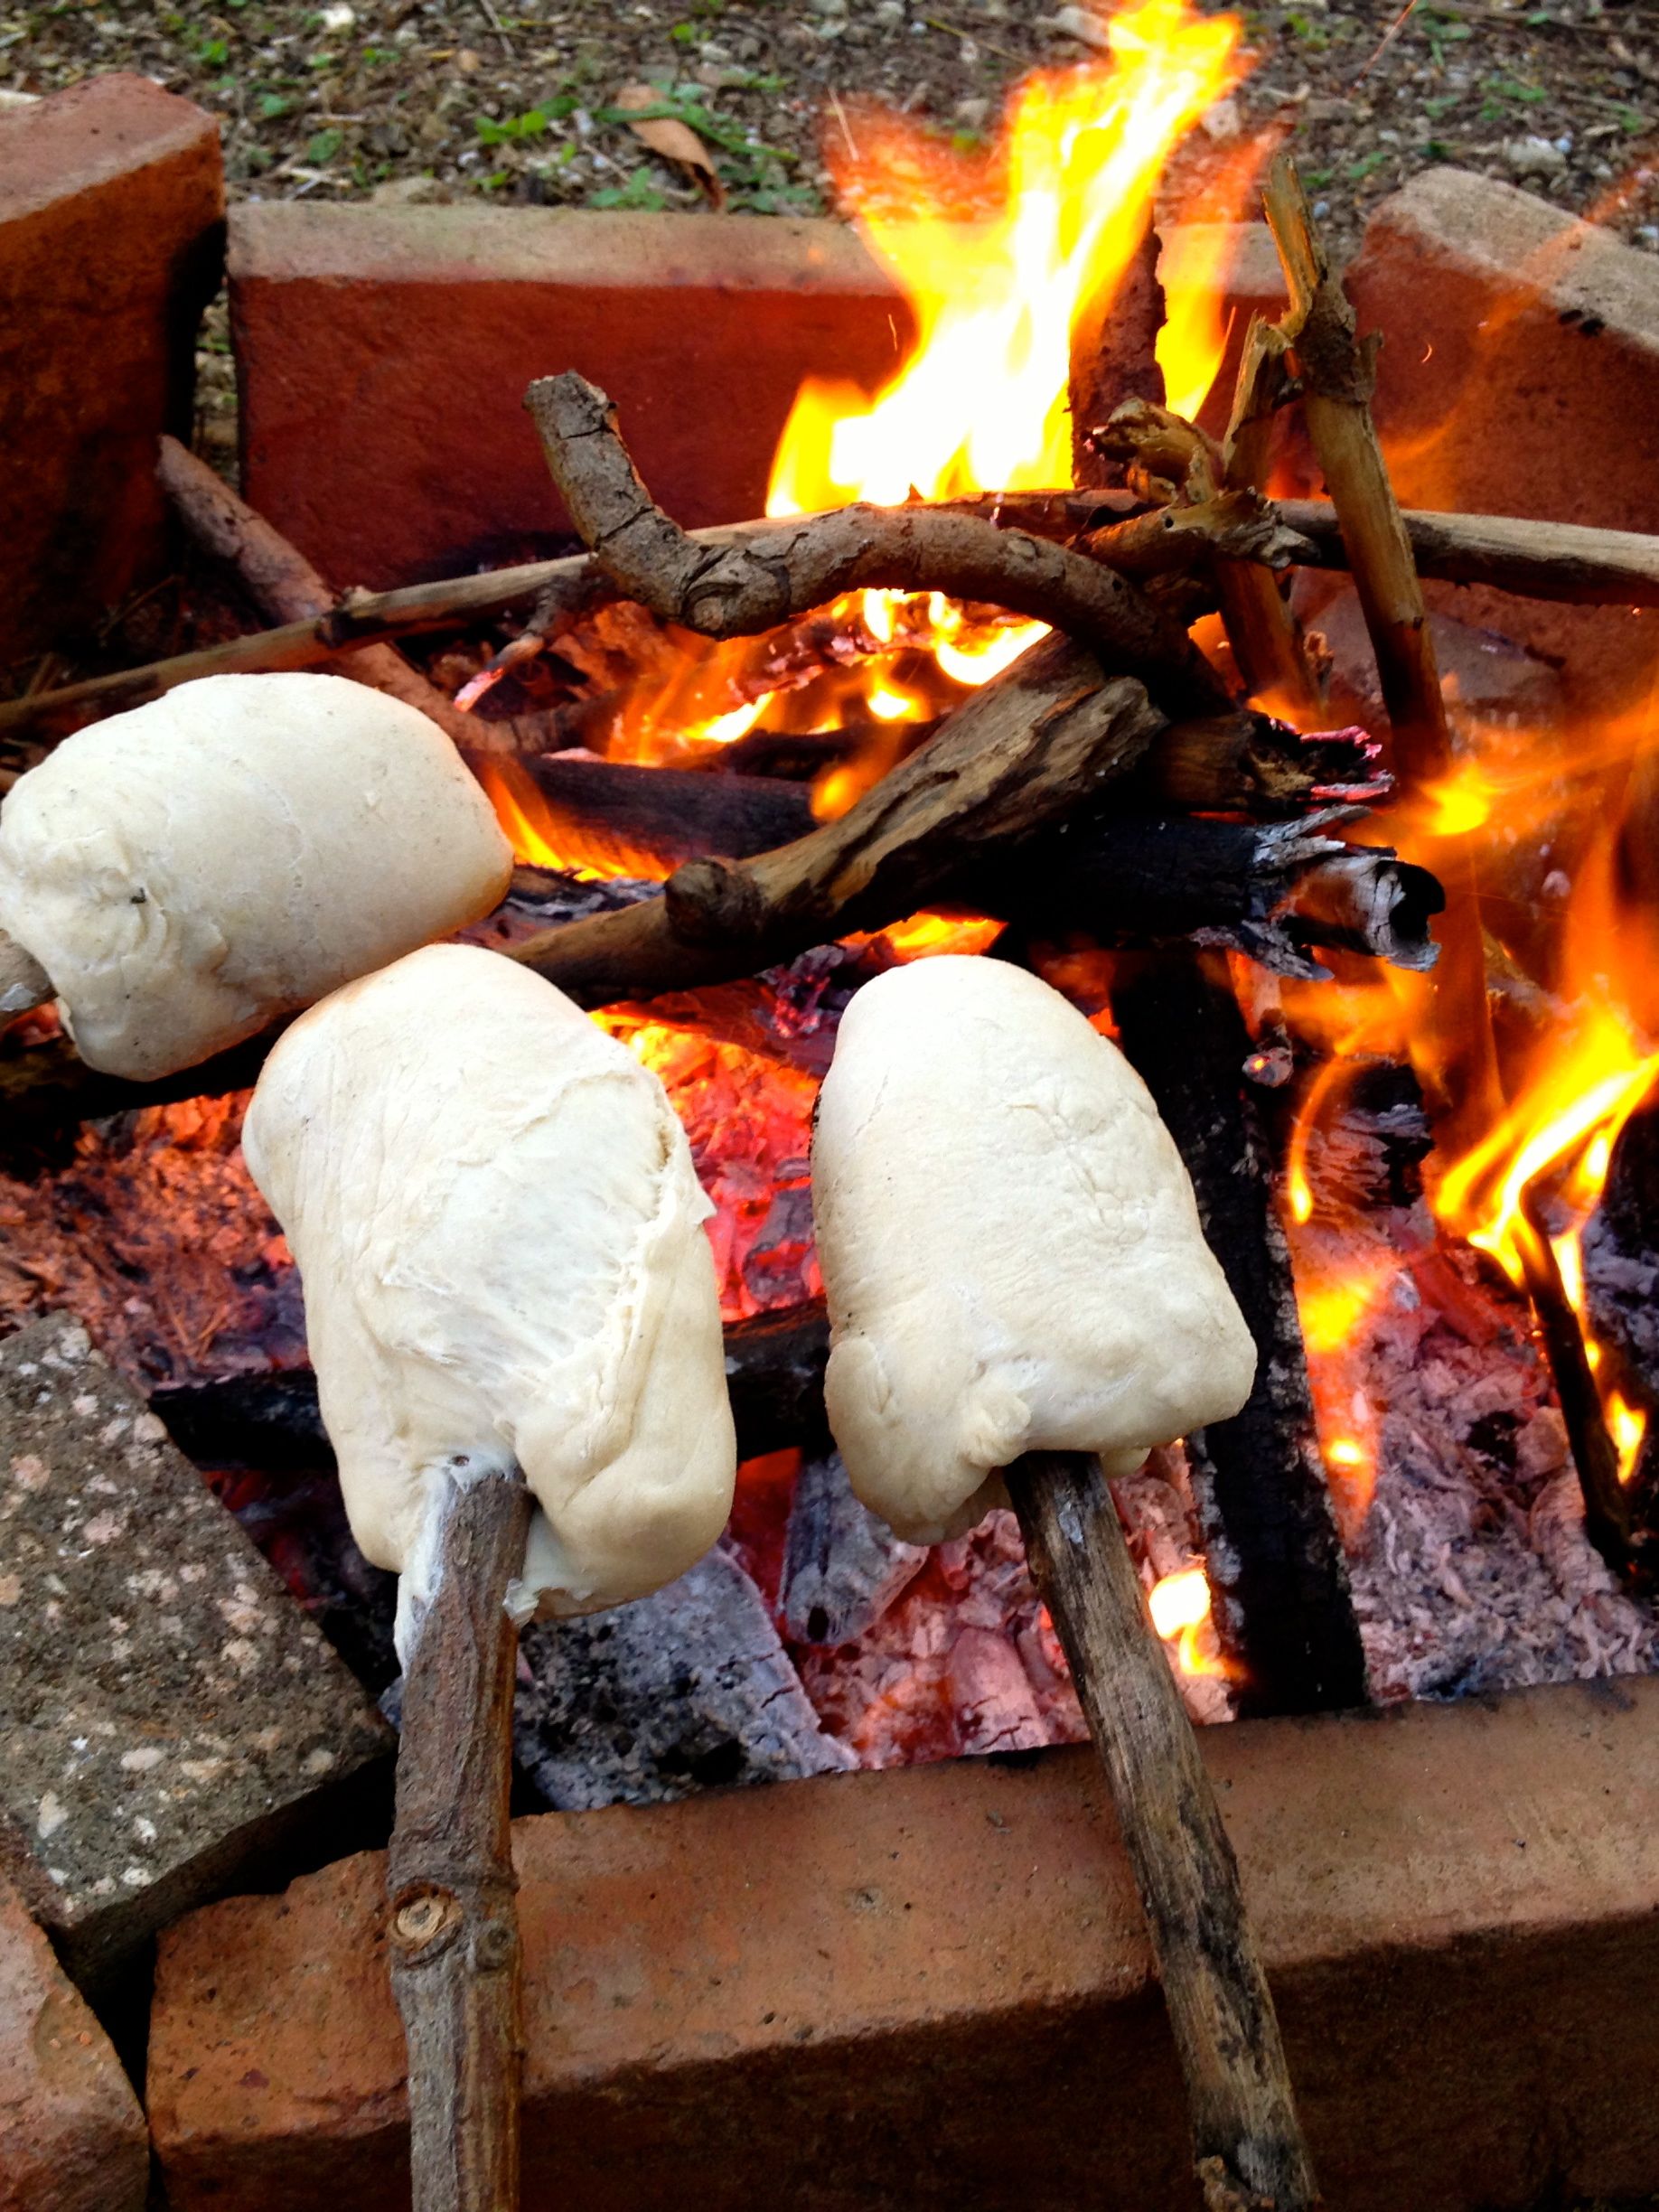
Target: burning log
{"x": 1128, "y": 880}
{"x": 754, "y": 587}
{"x": 1271, "y": 892}
{"x": 1038, "y": 740}
{"x": 1283, "y": 1605}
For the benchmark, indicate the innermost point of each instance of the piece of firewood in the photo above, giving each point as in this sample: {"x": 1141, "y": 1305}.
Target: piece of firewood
{"x": 453, "y": 1934}
{"x": 1130, "y": 880}
{"x": 1538, "y": 561}
{"x": 1249, "y": 2153}
{"x": 774, "y": 1374}
{"x": 1283, "y": 1609}
{"x": 1455, "y": 1057}
{"x": 286, "y": 587}
{"x": 1263, "y": 632}
{"x": 748, "y": 590}
{"x": 1564, "y": 561}
{"x": 1019, "y": 755}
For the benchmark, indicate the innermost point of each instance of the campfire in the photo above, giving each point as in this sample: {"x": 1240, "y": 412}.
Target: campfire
{"x": 1021, "y": 664}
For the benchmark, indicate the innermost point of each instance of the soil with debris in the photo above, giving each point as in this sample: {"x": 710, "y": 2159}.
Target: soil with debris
{"x": 405, "y": 99}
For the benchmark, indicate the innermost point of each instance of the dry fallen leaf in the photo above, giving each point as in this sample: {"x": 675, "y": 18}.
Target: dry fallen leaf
{"x": 675, "y": 141}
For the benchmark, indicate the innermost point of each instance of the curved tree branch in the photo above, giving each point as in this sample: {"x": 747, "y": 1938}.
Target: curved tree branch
{"x": 740, "y": 591}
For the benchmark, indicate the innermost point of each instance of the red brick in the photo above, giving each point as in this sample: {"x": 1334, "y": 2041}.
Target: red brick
{"x": 1520, "y": 375}
{"x": 72, "y": 2137}
{"x": 111, "y": 201}
{"x": 931, "y": 1988}
{"x": 384, "y": 355}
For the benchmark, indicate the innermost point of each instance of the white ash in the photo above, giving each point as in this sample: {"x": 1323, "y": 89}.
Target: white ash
{"x": 686, "y": 1690}
{"x": 1469, "y": 1567}
{"x": 842, "y": 1567}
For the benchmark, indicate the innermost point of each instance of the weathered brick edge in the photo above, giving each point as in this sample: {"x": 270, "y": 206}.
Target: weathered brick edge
{"x": 111, "y": 239}
{"x": 383, "y": 357}
{"x": 932, "y": 1987}
{"x": 72, "y": 2137}
{"x": 1520, "y": 375}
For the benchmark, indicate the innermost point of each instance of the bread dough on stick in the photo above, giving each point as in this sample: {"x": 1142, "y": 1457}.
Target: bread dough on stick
{"x": 189, "y": 871}
{"x": 500, "y": 1233}
{"x": 1010, "y": 1248}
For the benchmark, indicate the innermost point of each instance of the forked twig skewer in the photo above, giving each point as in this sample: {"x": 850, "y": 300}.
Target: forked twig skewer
{"x": 1248, "y": 2148}
{"x": 456, "y": 1955}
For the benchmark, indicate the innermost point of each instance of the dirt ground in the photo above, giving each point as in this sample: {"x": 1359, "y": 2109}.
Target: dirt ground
{"x": 517, "y": 101}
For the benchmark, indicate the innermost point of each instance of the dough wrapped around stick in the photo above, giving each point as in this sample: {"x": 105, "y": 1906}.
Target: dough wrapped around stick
{"x": 500, "y": 1235}
{"x": 1010, "y": 1248}
{"x": 187, "y": 872}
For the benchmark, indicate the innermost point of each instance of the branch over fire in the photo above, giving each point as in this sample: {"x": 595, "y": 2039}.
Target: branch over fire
{"x": 1562, "y": 561}
{"x": 745, "y": 590}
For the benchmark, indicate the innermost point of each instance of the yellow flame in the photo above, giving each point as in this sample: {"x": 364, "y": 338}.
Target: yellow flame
{"x": 1180, "y": 1609}
{"x": 982, "y": 403}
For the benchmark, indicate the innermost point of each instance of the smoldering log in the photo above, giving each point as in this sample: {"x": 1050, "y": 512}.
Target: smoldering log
{"x": 1620, "y": 1249}
{"x": 774, "y": 1371}
{"x": 842, "y": 1567}
{"x": 1283, "y": 1608}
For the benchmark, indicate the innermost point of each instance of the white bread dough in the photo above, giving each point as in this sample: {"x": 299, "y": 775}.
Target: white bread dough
{"x": 499, "y": 1229}
{"x": 1010, "y": 1245}
{"x": 188, "y": 871}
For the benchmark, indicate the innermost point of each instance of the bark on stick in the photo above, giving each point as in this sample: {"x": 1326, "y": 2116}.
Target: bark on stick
{"x": 453, "y": 1932}
{"x": 1248, "y": 2154}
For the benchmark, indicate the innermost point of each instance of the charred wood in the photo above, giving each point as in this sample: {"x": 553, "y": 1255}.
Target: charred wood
{"x": 1125, "y": 880}
{"x": 1274, "y": 893}
{"x": 774, "y": 1371}
{"x": 673, "y": 814}
{"x": 687, "y": 1689}
{"x": 1283, "y": 1607}
{"x": 842, "y": 1567}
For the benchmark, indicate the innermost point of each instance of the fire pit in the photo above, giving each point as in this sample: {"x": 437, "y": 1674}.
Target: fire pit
{"x": 1429, "y": 1182}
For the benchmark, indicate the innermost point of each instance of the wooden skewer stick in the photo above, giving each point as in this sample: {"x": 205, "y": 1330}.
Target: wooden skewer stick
{"x": 455, "y": 1964}
{"x": 1249, "y": 2153}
